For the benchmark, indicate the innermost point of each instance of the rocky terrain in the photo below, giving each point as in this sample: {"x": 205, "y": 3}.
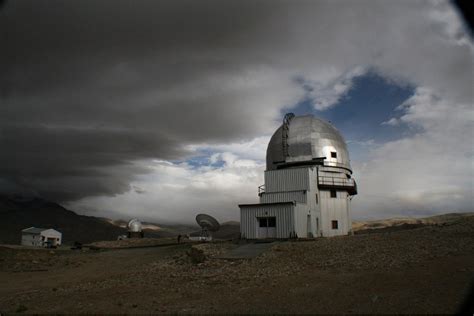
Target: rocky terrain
{"x": 421, "y": 270}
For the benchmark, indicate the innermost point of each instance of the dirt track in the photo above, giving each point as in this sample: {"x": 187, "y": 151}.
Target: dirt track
{"x": 423, "y": 270}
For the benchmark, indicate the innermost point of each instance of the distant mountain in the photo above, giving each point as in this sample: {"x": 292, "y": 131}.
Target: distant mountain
{"x": 408, "y": 222}
{"x": 20, "y": 213}
{"x": 17, "y": 213}
{"x": 157, "y": 230}
{"x": 228, "y": 230}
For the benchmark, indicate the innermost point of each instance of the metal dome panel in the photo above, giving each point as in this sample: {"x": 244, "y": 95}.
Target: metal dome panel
{"x": 134, "y": 225}
{"x": 307, "y": 138}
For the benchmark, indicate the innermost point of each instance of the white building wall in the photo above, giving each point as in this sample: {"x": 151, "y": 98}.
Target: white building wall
{"x": 52, "y": 233}
{"x": 314, "y": 200}
{"x": 273, "y": 197}
{"x": 39, "y": 239}
{"x": 300, "y": 185}
{"x": 292, "y": 179}
{"x": 31, "y": 239}
{"x": 335, "y": 209}
{"x": 284, "y": 214}
{"x": 305, "y": 221}
{"x": 308, "y": 203}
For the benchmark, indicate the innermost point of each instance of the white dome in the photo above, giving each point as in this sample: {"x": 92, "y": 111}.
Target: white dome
{"x": 305, "y": 138}
{"x": 134, "y": 225}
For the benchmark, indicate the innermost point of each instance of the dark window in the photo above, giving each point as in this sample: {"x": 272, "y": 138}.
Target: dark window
{"x": 334, "y": 224}
{"x": 316, "y": 198}
{"x": 267, "y": 222}
{"x": 333, "y": 194}
{"x": 271, "y": 221}
{"x": 333, "y": 154}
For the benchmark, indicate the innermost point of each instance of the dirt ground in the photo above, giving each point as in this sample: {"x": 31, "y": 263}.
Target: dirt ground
{"x": 422, "y": 270}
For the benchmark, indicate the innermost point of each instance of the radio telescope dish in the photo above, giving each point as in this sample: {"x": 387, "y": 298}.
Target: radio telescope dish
{"x": 207, "y": 222}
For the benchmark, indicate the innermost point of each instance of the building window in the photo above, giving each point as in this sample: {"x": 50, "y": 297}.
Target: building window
{"x": 333, "y": 154}
{"x": 267, "y": 222}
{"x": 272, "y": 222}
{"x": 333, "y": 194}
{"x": 334, "y": 224}
{"x": 316, "y": 198}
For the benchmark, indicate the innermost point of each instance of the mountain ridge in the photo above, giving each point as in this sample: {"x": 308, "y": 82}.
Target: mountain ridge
{"x": 18, "y": 213}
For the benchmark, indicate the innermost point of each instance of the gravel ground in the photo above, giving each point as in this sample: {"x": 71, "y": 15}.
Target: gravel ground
{"x": 422, "y": 270}
{"x": 133, "y": 242}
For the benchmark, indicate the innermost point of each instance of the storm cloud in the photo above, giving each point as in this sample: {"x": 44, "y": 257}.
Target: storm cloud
{"x": 91, "y": 92}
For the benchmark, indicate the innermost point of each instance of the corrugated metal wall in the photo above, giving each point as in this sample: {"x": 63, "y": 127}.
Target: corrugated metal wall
{"x": 301, "y": 220}
{"x": 300, "y": 185}
{"x": 272, "y": 197}
{"x": 335, "y": 209}
{"x": 30, "y": 239}
{"x": 287, "y": 180}
{"x": 284, "y": 214}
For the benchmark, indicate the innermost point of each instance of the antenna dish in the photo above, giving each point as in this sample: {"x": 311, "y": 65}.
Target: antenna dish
{"x": 207, "y": 222}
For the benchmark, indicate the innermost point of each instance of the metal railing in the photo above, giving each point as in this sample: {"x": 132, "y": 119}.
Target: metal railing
{"x": 332, "y": 181}
{"x": 261, "y": 190}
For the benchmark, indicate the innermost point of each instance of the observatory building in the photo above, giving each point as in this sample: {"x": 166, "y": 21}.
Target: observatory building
{"x": 308, "y": 184}
{"x": 135, "y": 229}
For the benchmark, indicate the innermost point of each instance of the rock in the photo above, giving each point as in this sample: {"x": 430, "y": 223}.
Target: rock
{"x": 196, "y": 255}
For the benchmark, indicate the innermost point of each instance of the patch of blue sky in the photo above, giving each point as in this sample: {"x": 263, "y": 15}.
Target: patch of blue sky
{"x": 202, "y": 159}
{"x": 359, "y": 115}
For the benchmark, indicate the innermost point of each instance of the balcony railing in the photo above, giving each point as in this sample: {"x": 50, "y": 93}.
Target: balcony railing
{"x": 261, "y": 190}
{"x": 338, "y": 183}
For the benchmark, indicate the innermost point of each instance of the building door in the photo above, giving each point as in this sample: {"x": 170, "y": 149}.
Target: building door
{"x": 309, "y": 229}
{"x": 266, "y": 227}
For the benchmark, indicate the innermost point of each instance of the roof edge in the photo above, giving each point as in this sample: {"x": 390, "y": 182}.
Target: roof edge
{"x": 272, "y": 203}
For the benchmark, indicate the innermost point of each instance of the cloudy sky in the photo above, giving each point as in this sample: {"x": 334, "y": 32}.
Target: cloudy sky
{"x": 162, "y": 109}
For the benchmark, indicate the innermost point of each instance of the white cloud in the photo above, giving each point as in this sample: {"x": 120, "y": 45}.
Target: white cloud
{"x": 325, "y": 93}
{"x": 239, "y": 86}
{"x": 392, "y": 122}
{"x": 429, "y": 172}
{"x": 177, "y": 192}
{"x": 253, "y": 149}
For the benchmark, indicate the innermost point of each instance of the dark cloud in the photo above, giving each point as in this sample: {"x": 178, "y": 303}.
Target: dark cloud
{"x": 90, "y": 88}
{"x": 65, "y": 163}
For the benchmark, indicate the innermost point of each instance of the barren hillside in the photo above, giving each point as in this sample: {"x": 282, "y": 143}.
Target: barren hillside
{"x": 406, "y": 222}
